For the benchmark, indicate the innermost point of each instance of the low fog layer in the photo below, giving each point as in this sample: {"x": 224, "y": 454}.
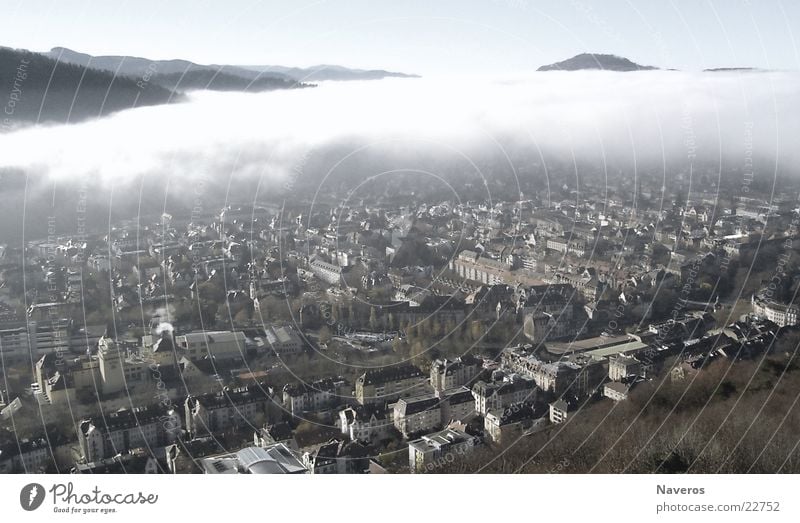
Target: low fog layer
{"x": 628, "y": 116}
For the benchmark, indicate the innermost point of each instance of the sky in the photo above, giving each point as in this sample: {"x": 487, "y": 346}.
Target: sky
{"x": 427, "y": 37}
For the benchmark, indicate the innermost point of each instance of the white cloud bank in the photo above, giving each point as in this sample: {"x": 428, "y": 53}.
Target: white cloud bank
{"x": 264, "y": 134}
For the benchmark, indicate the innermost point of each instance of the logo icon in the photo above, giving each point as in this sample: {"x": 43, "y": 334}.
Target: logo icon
{"x": 31, "y": 496}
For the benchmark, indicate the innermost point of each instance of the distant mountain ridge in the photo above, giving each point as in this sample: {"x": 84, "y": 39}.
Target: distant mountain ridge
{"x": 179, "y": 75}
{"x": 125, "y": 65}
{"x": 594, "y": 61}
{"x": 732, "y": 69}
{"x": 323, "y": 72}
{"x": 138, "y": 66}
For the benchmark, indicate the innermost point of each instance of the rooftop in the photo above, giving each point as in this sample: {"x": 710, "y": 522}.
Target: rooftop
{"x": 274, "y": 459}
{"x": 598, "y": 342}
{"x": 441, "y": 439}
{"x": 632, "y": 346}
{"x": 392, "y": 373}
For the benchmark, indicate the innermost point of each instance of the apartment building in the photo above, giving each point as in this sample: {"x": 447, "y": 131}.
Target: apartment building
{"x": 439, "y": 449}
{"x": 366, "y": 423}
{"x": 428, "y": 412}
{"x": 449, "y": 374}
{"x": 389, "y": 384}
{"x": 559, "y": 411}
{"x": 327, "y": 272}
{"x": 14, "y": 345}
{"x": 337, "y": 457}
{"x": 621, "y": 367}
{"x": 217, "y": 412}
{"x": 471, "y": 265}
{"x": 112, "y": 433}
{"x": 563, "y": 245}
{"x": 497, "y": 395}
{"x": 556, "y": 377}
{"x": 779, "y": 313}
{"x": 310, "y": 397}
{"x": 509, "y": 423}
{"x": 418, "y": 414}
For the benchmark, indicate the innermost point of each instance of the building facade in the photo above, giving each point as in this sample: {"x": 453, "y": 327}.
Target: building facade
{"x": 118, "y": 432}
{"x": 448, "y": 374}
{"x": 218, "y": 412}
{"x": 439, "y": 449}
{"x": 389, "y": 384}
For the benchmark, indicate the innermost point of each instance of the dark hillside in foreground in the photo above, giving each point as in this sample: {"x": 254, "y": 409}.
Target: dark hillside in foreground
{"x": 38, "y": 89}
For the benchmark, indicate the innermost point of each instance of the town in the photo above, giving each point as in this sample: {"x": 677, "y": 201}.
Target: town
{"x": 398, "y": 334}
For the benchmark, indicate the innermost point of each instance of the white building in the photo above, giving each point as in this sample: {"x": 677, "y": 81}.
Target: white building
{"x": 615, "y": 391}
{"x": 558, "y": 411}
{"x": 621, "y": 367}
{"x": 778, "y": 313}
{"x": 472, "y": 266}
{"x": 327, "y": 272}
{"x": 439, "y": 449}
{"x": 365, "y": 423}
{"x": 491, "y": 396}
{"x": 214, "y": 344}
{"x": 284, "y": 340}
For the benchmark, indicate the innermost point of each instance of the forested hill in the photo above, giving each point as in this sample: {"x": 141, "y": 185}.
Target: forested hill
{"x": 35, "y": 88}
{"x": 606, "y": 62}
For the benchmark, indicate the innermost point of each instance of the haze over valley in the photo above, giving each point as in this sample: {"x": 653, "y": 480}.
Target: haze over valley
{"x": 577, "y": 124}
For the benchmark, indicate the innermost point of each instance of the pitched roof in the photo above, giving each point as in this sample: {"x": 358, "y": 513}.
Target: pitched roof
{"x": 393, "y": 373}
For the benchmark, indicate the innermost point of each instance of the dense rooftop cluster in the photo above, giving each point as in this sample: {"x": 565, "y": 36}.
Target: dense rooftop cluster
{"x": 333, "y": 341}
